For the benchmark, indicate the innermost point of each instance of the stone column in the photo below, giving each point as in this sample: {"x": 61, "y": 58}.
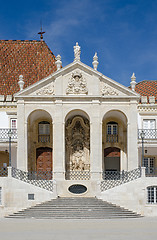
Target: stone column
{"x": 132, "y": 149}
{"x": 96, "y": 142}
{"x": 22, "y": 137}
{"x": 58, "y": 143}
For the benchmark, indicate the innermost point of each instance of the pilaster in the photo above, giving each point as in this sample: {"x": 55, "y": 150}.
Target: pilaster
{"x": 96, "y": 142}
{"x": 58, "y": 143}
{"x": 132, "y": 137}
{"x": 22, "y": 137}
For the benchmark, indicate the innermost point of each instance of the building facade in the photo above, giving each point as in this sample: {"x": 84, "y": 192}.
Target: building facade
{"x": 73, "y": 127}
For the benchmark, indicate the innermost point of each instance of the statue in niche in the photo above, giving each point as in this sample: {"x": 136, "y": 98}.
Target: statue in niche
{"x": 77, "y": 144}
{"x": 77, "y": 161}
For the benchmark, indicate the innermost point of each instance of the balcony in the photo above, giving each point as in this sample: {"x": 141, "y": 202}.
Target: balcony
{"x": 148, "y": 134}
{"x": 112, "y": 138}
{"x": 4, "y": 137}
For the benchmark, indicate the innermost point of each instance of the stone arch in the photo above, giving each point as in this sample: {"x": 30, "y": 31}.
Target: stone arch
{"x": 77, "y": 142}
{"x": 76, "y": 112}
{"x": 114, "y": 135}
{"x": 37, "y": 140}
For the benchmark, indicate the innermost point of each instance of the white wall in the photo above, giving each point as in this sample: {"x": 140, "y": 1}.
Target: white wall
{"x": 15, "y": 195}
{"x": 133, "y": 196}
{"x": 4, "y": 122}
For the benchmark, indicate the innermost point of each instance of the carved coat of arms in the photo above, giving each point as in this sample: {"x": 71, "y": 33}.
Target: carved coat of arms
{"x": 77, "y": 85}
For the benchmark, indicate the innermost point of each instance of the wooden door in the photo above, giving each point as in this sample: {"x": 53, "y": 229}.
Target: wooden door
{"x": 112, "y": 159}
{"x": 44, "y": 162}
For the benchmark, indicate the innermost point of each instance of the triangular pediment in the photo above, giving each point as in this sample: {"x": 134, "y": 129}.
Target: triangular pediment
{"x": 77, "y": 79}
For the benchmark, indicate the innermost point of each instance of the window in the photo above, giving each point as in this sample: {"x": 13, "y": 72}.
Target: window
{"x": 112, "y": 128}
{"x": 112, "y": 132}
{"x": 44, "y": 128}
{"x": 44, "y": 131}
{"x": 149, "y": 124}
{"x": 149, "y": 165}
{"x": 152, "y": 194}
{"x": 149, "y": 128}
{"x": 13, "y": 123}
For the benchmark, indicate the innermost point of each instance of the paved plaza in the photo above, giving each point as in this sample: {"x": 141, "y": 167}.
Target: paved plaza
{"x": 33, "y": 229}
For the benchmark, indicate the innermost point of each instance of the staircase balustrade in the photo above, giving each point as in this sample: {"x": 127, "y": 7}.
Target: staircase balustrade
{"x": 113, "y": 178}
{"x": 40, "y": 179}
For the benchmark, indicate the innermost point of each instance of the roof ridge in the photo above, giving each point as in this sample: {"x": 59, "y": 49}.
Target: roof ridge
{"x": 17, "y": 40}
{"x": 146, "y": 81}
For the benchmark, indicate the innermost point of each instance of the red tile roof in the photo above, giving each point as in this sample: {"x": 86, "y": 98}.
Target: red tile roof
{"x": 147, "y": 88}
{"x": 32, "y": 59}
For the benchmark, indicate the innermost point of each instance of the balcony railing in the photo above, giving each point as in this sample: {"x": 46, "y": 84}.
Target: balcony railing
{"x": 112, "y": 138}
{"x": 148, "y": 133}
{"x": 44, "y": 138}
{"x": 4, "y": 134}
{"x": 151, "y": 172}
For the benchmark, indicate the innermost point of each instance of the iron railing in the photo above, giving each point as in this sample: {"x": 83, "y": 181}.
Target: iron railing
{"x": 113, "y": 179}
{"x": 44, "y": 138}
{"x": 3, "y": 172}
{"x": 151, "y": 172}
{"x": 77, "y": 175}
{"x": 112, "y": 138}
{"x": 40, "y": 179}
{"x": 4, "y": 134}
{"x": 148, "y": 133}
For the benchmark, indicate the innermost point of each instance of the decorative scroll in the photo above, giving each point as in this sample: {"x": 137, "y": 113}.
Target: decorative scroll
{"x": 48, "y": 90}
{"x": 77, "y": 85}
{"x": 107, "y": 90}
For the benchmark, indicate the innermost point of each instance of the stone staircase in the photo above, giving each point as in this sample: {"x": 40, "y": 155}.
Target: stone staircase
{"x": 75, "y": 208}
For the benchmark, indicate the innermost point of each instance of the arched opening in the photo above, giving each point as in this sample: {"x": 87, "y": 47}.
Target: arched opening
{"x": 77, "y": 147}
{"x": 40, "y": 143}
{"x": 114, "y": 141}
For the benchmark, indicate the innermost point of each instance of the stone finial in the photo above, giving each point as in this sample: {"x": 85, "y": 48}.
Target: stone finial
{"x": 133, "y": 82}
{"x": 95, "y": 61}
{"x": 21, "y": 82}
{"x": 58, "y": 62}
{"x": 77, "y": 52}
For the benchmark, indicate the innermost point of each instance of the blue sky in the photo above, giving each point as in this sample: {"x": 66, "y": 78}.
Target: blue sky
{"x": 122, "y": 32}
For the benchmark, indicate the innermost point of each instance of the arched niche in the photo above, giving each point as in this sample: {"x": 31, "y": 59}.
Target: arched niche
{"x": 39, "y": 136}
{"x": 77, "y": 142}
{"x": 114, "y": 135}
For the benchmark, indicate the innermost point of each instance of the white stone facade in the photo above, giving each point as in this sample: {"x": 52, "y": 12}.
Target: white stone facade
{"x": 93, "y": 125}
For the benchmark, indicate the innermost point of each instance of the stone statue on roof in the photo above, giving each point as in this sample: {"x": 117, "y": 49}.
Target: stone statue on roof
{"x": 77, "y": 52}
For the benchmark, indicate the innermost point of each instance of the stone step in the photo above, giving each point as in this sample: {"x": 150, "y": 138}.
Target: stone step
{"x": 75, "y": 208}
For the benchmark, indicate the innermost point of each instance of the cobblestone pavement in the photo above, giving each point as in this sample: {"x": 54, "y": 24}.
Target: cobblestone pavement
{"x": 128, "y": 229}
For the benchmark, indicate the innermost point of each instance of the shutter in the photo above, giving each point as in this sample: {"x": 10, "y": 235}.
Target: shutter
{"x": 145, "y": 124}
{"x": 152, "y": 124}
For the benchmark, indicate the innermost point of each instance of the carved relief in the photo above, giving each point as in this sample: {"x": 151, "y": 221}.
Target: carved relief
{"x": 107, "y": 90}
{"x": 48, "y": 90}
{"x": 77, "y": 85}
{"x": 77, "y": 144}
